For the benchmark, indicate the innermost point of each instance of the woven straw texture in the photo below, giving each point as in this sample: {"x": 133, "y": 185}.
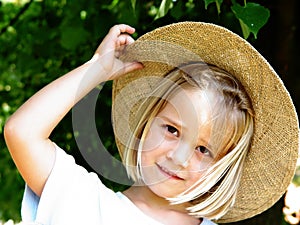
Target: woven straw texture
{"x": 271, "y": 161}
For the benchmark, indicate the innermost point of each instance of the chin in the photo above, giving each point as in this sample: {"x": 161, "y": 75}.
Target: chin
{"x": 163, "y": 192}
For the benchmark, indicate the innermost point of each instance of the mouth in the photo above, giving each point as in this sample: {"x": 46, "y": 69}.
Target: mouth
{"x": 168, "y": 173}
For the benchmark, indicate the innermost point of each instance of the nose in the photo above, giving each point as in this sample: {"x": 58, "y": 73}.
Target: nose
{"x": 181, "y": 156}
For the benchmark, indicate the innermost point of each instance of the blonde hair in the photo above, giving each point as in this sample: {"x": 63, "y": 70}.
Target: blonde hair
{"x": 214, "y": 193}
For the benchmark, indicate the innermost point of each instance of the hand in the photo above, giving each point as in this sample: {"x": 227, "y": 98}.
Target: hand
{"x": 109, "y": 50}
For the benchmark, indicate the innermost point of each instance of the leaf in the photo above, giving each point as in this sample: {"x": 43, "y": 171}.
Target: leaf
{"x": 218, "y": 4}
{"x": 252, "y": 17}
{"x": 164, "y": 7}
{"x": 245, "y": 29}
{"x": 133, "y": 3}
{"x": 177, "y": 11}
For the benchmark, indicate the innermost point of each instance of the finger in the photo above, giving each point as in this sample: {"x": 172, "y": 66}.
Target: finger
{"x": 116, "y": 38}
{"x": 131, "y": 66}
{"x": 126, "y": 29}
{"x": 121, "y": 44}
{"x": 124, "y": 39}
{"x": 126, "y": 68}
{"x": 121, "y": 28}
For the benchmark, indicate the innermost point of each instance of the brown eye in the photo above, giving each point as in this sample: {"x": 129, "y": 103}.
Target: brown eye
{"x": 172, "y": 130}
{"x": 203, "y": 150}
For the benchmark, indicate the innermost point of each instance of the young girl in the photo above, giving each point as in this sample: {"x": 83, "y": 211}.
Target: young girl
{"x": 205, "y": 128}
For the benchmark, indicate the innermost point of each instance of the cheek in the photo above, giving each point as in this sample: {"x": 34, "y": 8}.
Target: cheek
{"x": 150, "y": 173}
{"x": 200, "y": 164}
{"x": 197, "y": 168}
{"x": 192, "y": 178}
{"x": 195, "y": 178}
{"x": 153, "y": 139}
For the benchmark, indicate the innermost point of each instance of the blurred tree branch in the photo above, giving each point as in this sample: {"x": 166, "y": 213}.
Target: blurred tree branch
{"x": 15, "y": 19}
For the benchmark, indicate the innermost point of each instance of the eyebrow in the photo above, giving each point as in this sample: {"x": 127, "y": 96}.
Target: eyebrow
{"x": 174, "y": 122}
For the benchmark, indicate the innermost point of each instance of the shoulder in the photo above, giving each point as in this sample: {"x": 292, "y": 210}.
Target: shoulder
{"x": 70, "y": 188}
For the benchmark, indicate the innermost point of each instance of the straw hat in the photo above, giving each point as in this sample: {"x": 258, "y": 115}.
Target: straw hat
{"x": 271, "y": 161}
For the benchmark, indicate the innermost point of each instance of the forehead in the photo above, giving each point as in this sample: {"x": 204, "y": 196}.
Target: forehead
{"x": 192, "y": 105}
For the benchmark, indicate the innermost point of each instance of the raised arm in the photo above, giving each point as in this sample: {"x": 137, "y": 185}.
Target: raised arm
{"x": 28, "y": 129}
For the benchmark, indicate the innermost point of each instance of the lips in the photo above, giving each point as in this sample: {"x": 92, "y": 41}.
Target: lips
{"x": 169, "y": 173}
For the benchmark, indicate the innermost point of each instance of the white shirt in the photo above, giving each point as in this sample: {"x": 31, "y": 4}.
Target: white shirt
{"x": 74, "y": 196}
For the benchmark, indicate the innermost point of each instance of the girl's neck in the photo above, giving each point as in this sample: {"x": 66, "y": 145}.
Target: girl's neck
{"x": 159, "y": 208}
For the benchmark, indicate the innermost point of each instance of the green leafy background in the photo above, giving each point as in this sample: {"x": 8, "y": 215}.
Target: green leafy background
{"x": 42, "y": 39}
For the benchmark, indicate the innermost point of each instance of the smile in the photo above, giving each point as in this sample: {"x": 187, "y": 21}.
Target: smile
{"x": 168, "y": 173}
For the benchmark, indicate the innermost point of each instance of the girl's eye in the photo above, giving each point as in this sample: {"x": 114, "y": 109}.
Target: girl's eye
{"x": 203, "y": 150}
{"x": 172, "y": 130}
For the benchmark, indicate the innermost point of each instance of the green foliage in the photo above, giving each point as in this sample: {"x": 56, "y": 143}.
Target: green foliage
{"x": 296, "y": 179}
{"x": 218, "y": 4}
{"x": 41, "y": 40}
{"x": 252, "y": 16}
{"x": 164, "y": 7}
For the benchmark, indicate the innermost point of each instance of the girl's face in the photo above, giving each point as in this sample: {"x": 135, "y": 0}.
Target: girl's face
{"x": 177, "y": 149}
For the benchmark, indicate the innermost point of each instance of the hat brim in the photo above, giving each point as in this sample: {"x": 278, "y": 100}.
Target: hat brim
{"x": 271, "y": 161}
